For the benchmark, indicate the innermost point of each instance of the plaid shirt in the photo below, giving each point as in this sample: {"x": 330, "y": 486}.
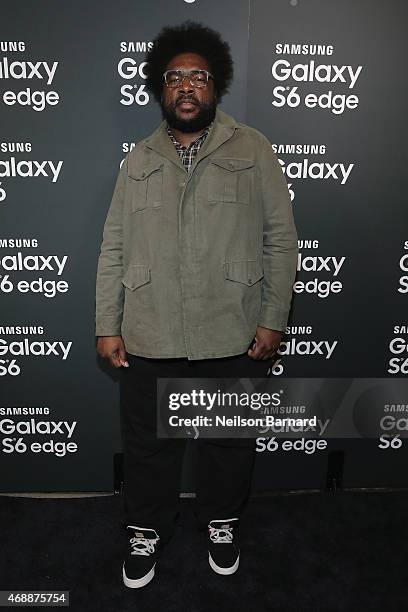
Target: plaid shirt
{"x": 187, "y": 154}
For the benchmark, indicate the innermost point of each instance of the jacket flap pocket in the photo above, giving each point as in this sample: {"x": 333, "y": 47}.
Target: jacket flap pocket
{"x": 140, "y": 174}
{"x": 244, "y": 271}
{"x": 233, "y": 164}
{"x": 136, "y": 276}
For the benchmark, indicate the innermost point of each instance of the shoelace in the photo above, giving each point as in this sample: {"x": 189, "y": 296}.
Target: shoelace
{"x": 146, "y": 546}
{"x": 217, "y": 537}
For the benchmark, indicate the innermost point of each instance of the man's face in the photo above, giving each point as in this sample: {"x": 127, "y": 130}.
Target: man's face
{"x": 187, "y": 108}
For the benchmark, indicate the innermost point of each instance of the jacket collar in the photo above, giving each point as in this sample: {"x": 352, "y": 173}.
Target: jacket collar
{"x": 222, "y": 130}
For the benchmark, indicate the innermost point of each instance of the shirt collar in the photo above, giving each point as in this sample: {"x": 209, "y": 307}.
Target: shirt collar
{"x": 176, "y": 142}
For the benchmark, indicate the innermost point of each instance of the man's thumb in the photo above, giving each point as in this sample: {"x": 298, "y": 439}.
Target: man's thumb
{"x": 122, "y": 357}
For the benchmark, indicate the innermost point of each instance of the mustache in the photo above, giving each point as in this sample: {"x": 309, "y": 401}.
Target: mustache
{"x": 186, "y": 99}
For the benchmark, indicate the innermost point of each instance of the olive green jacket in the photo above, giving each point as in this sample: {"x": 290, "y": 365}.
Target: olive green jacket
{"x": 191, "y": 262}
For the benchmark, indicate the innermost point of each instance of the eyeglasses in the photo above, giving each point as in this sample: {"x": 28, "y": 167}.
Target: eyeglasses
{"x": 197, "y": 78}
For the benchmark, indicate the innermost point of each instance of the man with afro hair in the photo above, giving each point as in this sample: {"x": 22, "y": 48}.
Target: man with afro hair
{"x": 194, "y": 279}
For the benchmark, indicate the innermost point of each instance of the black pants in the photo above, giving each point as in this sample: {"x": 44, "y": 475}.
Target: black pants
{"x": 152, "y": 466}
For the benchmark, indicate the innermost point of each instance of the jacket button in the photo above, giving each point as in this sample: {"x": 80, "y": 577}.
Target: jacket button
{"x": 143, "y": 174}
{"x": 249, "y": 280}
{"x": 230, "y": 164}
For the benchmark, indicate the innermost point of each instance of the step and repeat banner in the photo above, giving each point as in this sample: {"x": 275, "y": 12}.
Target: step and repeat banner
{"x": 324, "y": 80}
{"x": 326, "y": 85}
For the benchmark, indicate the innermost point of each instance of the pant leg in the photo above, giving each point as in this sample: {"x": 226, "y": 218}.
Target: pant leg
{"x": 152, "y": 466}
{"x": 225, "y": 465}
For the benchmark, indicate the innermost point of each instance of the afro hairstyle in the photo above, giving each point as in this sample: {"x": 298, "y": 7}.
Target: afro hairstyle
{"x": 189, "y": 37}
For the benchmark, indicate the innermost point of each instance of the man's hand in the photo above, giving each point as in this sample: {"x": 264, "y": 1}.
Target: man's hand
{"x": 266, "y": 343}
{"x": 113, "y": 349}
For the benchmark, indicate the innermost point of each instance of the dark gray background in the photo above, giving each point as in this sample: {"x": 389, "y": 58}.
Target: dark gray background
{"x": 364, "y": 220}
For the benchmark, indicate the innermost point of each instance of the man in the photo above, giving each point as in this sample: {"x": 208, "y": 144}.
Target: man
{"x": 194, "y": 278}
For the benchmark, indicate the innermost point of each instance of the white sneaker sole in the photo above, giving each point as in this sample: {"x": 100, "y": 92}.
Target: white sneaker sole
{"x": 139, "y": 582}
{"x": 225, "y": 571}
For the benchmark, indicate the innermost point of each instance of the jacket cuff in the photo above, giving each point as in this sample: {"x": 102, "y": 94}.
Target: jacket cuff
{"x": 108, "y": 326}
{"x": 273, "y": 319}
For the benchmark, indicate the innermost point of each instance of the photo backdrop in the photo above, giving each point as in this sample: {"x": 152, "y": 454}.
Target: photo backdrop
{"x": 325, "y": 81}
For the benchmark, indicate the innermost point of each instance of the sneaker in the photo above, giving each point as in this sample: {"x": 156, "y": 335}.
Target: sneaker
{"x": 138, "y": 568}
{"x": 223, "y": 548}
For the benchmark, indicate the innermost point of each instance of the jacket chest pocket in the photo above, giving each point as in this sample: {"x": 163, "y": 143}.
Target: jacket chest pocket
{"x": 230, "y": 180}
{"x": 146, "y": 187}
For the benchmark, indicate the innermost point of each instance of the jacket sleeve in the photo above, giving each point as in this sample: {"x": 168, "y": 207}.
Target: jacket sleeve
{"x": 109, "y": 288}
{"x": 280, "y": 245}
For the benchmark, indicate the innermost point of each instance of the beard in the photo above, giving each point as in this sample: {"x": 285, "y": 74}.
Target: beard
{"x": 197, "y": 123}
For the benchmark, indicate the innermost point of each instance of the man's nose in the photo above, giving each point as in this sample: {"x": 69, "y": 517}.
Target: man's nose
{"x": 185, "y": 84}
